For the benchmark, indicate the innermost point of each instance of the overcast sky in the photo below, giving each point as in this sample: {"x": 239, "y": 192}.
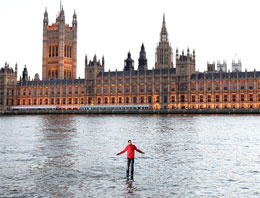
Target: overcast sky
{"x": 216, "y": 29}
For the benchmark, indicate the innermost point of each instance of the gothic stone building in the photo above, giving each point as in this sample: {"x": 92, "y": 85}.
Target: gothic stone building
{"x": 163, "y": 87}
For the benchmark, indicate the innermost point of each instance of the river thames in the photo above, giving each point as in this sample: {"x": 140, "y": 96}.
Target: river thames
{"x": 75, "y": 156}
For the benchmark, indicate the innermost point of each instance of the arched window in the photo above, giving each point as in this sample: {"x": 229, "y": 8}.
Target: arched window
{"x": 57, "y": 50}
{"x": 99, "y": 100}
{"x": 53, "y": 53}
{"x": 49, "y": 51}
{"x": 46, "y": 101}
{"x": 113, "y": 100}
{"x": 89, "y": 100}
{"x": 142, "y": 100}
{"x": 134, "y": 99}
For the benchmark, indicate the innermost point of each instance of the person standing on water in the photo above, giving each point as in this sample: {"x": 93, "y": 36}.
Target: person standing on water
{"x": 130, "y": 148}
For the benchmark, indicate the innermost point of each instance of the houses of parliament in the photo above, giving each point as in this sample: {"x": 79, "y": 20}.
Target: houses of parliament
{"x": 165, "y": 86}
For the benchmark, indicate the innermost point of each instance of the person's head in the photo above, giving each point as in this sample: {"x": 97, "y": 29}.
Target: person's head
{"x": 129, "y": 142}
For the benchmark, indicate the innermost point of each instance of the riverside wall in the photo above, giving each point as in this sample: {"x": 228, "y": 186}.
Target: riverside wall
{"x": 140, "y": 111}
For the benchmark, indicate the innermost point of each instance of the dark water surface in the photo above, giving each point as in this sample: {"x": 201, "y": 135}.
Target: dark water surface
{"x": 74, "y": 156}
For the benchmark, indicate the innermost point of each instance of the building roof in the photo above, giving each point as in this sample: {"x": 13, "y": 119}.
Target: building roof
{"x": 137, "y": 72}
{"x": 51, "y": 82}
{"x": 225, "y": 75}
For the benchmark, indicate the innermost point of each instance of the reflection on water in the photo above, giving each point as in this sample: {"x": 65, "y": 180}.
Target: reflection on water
{"x": 75, "y": 156}
{"x": 56, "y": 151}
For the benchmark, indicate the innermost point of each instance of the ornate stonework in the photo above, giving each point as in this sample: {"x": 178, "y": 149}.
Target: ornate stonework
{"x": 59, "y": 48}
{"x": 164, "y": 87}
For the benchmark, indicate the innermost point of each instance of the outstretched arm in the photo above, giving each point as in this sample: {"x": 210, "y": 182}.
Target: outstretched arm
{"x": 139, "y": 150}
{"x": 122, "y": 151}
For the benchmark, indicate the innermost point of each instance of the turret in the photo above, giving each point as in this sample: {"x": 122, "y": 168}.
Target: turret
{"x": 185, "y": 64}
{"x": 8, "y": 81}
{"x": 93, "y": 68}
{"x": 142, "y": 61}
{"x": 25, "y": 74}
{"x": 222, "y": 66}
{"x": 37, "y": 77}
{"x": 16, "y": 68}
{"x": 61, "y": 16}
{"x": 236, "y": 65}
{"x": 103, "y": 61}
{"x": 211, "y": 67}
{"x": 129, "y": 63}
{"x": 45, "y": 18}
{"x": 74, "y": 20}
{"x": 86, "y": 60}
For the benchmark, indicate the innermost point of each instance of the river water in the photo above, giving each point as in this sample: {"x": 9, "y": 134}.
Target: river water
{"x": 75, "y": 156}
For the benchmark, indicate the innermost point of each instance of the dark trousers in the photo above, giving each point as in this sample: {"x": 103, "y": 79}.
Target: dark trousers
{"x": 130, "y": 162}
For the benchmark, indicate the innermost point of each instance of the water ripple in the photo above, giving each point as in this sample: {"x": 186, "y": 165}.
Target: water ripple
{"x": 74, "y": 156}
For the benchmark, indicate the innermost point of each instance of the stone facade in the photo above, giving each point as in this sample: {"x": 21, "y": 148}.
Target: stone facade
{"x": 163, "y": 87}
{"x": 59, "y": 57}
{"x": 8, "y": 82}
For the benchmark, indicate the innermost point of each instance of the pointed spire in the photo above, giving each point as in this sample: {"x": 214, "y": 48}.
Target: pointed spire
{"x": 45, "y": 13}
{"x": 142, "y": 48}
{"x": 45, "y": 19}
{"x": 163, "y": 19}
{"x": 129, "y": 54}
{"x": 164, "y": 34}
{"x": 103, "y": 60}
{"x": 86, "y": 60}
{"x": 74, "y": 15}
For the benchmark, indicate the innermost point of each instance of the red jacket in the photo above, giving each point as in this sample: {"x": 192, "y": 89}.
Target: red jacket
{"x": 130, "y": 151}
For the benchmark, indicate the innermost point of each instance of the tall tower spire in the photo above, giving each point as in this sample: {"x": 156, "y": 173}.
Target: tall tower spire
{"x": 164, "y": 33}
{"x": 163, "y": 19}
{"x": 164, "y": 55}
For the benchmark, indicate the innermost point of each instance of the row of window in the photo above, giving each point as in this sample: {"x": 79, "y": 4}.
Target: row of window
{"x": 50, "y": 91}
{"x": 8, "y": 102}
{"x": 133, "y": 80}
{"x": 140, "y": 100}
{"x": 54, "y": 51}
{"x": 225, "y": 87}
{"x": 209, "y": 98}
{"x": 89, "y": 100}
{"x": 114, "y": 89}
